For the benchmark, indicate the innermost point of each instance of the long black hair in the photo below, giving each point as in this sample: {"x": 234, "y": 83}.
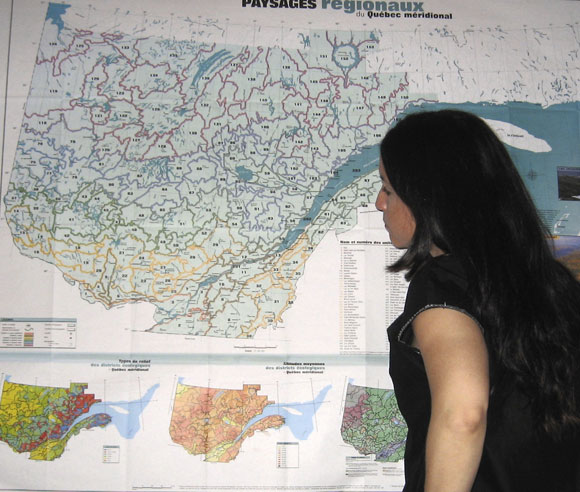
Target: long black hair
{"x": 468, "y": 199}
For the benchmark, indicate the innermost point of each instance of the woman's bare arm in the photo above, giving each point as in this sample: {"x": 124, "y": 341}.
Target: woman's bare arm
{"x": 456, "y": 361}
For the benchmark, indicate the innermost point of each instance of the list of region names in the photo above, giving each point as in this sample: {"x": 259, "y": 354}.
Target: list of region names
{"x": 370, "y": 296}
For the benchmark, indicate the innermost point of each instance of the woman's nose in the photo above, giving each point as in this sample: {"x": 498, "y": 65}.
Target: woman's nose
{"x": 381, "y": 201}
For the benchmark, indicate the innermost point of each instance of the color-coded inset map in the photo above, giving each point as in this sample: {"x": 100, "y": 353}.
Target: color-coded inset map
{"x": 41, "y": 419}
{"x": 215, "y": 422}
{"x": 373, "y": 424}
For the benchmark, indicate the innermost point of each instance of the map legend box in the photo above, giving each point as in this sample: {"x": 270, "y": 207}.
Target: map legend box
{"x": 111, "y": 454}
{"x": 287, "y": 455}
{"x": 54, "y": 333}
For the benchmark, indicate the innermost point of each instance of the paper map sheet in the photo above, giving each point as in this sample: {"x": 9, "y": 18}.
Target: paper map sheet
{"x": 193, "y": 285}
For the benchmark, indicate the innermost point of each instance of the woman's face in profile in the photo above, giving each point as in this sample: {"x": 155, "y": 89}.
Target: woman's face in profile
{"x": 398, "y": 219}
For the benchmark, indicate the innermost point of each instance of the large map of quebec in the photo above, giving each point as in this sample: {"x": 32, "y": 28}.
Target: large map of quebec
{"x": 196, "y": 177}
{"x": 199, "y": 175}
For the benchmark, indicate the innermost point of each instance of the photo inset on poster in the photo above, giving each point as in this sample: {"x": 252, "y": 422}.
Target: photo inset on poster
{"x": 567, "y": 250}
{"x": 569, "y": 183}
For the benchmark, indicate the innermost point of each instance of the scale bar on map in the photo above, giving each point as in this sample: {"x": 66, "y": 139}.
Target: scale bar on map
{"x": 54, "y": 333}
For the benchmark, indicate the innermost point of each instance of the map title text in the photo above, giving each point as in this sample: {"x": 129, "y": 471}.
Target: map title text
{"x": 348, "y": 6}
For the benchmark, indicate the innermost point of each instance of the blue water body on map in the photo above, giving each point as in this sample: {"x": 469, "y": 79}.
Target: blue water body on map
{"x": 207, "y": 65}
{"x": 55, "y": 12}
{"x": 208, "y": 281}
{"x": 244, "y": 173}
{"x": 305, "y": 40}
{"x": 357, "y": 165}
{"x": 125, "y": 415}
{"x": 559, "y": 126}
{"x": 346, "y": 56}
{"x": 299, "y": 417}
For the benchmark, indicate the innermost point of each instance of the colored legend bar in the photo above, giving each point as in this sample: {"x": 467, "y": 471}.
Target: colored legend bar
{"x": 111, "y": 454}
{"x": 287, "y": 455}
{"x": 53, "y": 333}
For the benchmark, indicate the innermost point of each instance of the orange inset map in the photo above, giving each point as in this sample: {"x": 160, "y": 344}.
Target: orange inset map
{"x": 215, "y": 422}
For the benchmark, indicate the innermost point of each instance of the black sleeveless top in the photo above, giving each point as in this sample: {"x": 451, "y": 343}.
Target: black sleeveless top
{"x": 515, "y": 458}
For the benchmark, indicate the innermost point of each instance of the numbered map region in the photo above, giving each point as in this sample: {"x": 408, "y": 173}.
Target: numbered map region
{"x": 373, "y": 424}
{"x": 197, "y": 175}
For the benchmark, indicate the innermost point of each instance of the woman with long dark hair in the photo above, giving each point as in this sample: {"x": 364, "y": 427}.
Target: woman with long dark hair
{"x": 485, "y": 358}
